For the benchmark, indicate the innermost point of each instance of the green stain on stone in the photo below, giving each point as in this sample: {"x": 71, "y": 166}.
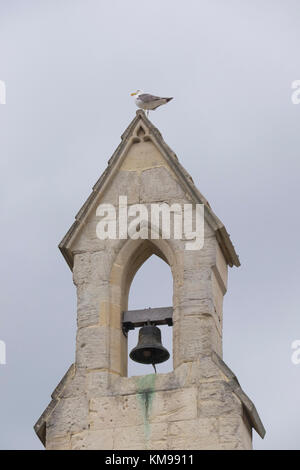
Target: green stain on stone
{"x": 145, "y": 393}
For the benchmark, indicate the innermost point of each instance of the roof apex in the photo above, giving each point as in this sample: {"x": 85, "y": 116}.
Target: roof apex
{"x": 184, "y": 177}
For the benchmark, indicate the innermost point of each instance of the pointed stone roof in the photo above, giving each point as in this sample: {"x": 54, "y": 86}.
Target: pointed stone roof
{"x": 131, "y": 135}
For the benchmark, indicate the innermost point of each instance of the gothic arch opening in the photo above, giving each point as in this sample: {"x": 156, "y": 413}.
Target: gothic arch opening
{"x": 152, "y": 286}
{"x": 130, "y": 258}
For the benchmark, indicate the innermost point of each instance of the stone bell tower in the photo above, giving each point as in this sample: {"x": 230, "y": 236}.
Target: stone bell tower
{"x": 200, "y": 404}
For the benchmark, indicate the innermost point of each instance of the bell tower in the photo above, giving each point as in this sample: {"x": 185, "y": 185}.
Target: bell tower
{"x": 198, "y": 405}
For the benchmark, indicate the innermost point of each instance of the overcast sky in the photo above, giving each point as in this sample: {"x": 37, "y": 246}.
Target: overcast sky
{"x": 69, "y": 67}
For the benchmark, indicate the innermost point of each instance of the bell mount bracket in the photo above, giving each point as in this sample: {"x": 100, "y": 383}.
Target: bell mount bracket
{"x": 132, "y": 319}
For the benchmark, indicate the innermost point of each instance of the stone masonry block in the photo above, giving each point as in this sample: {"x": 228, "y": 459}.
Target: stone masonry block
{"x": 91, "y": 348}
{"x": 69, "y": 415}
{"x": 216, "y": 399}
{"x": 92, "y": 440}
{"x": 174, "y": 405}
{"x": 194, "y": 434}
{"x": 126, "y": 183}
{"x": 158, "y": 184}
{"x": 108, "y": 412}
{"x": 59, "y": 443}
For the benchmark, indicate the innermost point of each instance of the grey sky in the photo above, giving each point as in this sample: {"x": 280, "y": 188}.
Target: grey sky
{"x": 69, "y": 67}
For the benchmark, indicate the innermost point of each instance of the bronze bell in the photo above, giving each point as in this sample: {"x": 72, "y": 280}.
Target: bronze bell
{"x": 149, "y": 349}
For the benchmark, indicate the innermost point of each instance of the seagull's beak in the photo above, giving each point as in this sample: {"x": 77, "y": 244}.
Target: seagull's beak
{"x": 132, "y": 94}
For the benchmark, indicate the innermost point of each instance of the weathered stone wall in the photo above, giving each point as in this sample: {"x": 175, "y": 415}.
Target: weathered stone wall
{"x": 192, "y": 407}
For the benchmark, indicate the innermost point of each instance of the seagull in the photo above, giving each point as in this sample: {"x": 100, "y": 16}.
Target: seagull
{"x": 148, "y": 102}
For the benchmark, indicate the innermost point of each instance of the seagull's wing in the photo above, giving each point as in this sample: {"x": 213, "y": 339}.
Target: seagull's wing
{"x": 146, "y": 98}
